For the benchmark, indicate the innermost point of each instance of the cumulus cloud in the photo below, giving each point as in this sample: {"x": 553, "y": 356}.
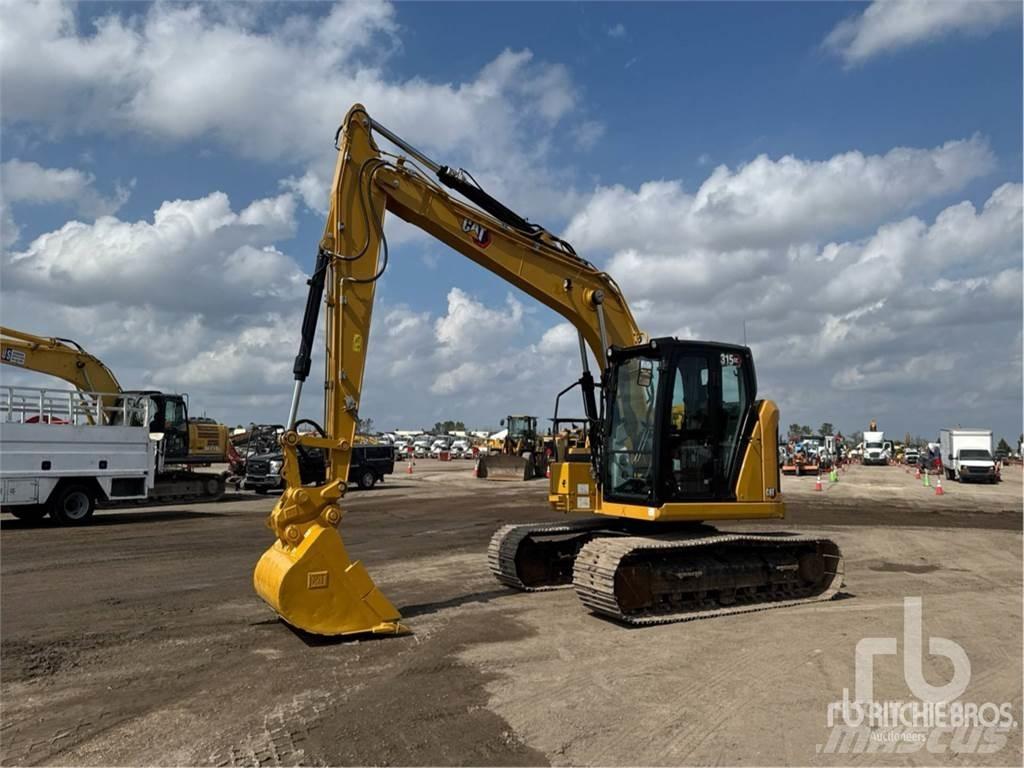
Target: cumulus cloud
{"x": 469, "y": 325}
{"x": 892, "y": 319}
{"x": 889, "y": 25}
{"x": 195, "y": 255}
{"x": 275, "y": 90}
{"x": 772, "y": 202}
{"x": 29, "y": 183}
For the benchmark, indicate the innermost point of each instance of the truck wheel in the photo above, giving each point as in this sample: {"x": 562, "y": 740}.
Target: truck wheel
{"x": 367, "y": 480}
{"x": 29, "y": 514}
{"x": 72, "y": 505}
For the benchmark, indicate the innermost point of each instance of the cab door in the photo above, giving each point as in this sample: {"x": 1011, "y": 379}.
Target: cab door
{"x": 171, "y": 419}
{"x": 709, "y": 399}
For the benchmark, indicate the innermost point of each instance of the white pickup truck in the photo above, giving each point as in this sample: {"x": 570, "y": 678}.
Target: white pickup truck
{"x": 63, "y": 451}
{"x": 967, "y": 455}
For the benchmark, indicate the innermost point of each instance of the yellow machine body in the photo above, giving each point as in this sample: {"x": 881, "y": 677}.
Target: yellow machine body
{"x": 758, "y": 496}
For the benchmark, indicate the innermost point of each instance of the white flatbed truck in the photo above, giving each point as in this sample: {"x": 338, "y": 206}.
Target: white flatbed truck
{"x": 62, "y": 452}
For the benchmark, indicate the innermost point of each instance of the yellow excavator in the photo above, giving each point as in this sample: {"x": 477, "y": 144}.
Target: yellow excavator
{"x": 186, "y": 442}
{"x": 678, "y": 437}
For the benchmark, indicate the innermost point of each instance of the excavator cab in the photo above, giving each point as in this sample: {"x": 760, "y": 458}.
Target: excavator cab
{"x": 170, "y": 418}
{"x": 679, "y": 416}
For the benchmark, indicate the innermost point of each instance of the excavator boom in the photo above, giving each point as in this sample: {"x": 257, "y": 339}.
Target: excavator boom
{"x": 61, "y": 358}
{"x": 679, "y": 436}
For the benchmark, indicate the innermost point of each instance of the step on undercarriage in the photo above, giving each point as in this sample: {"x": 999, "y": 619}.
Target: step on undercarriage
{"x": 690, "y": 573}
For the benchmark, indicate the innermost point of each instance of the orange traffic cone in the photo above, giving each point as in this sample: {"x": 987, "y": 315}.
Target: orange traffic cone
{"x": 817, "y": 483}
{"x": 547, "y": 471}
{"x": 938, "y": 486}
{"x": 917, "y": 473}
{"x": 476, "y": 468}
{"x": 408, "y": 468}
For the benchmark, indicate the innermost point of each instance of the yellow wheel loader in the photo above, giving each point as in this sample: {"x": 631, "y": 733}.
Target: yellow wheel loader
{"x": 679, "y": 439}
{"x": 521, "y": 455}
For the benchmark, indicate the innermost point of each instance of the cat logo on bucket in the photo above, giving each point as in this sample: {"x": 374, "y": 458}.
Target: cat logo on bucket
{"x": 317, "y": 580}
{"x": 479, "y": 234}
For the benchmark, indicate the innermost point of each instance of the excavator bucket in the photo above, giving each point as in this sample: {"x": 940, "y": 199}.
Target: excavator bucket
{"x": 315, "y": 587}
{"x": 505, "y": 466}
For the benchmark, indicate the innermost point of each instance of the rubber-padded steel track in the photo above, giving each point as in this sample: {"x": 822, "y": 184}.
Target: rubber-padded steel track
{"x": 507, "y": 540}
{"x": 601, "y": 559}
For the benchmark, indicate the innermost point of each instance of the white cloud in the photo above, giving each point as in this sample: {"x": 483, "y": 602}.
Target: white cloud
{"x": 889, "y": 25}
{"x": 195, "y": 255}
{"x": 470, "y": 325}
{"x": 895, "y": 318}
{"x": 619, "y": 30}
{"x": 275, "y": 89}
{"x": 773, "y": 202}
{"x": 29, "y": 182}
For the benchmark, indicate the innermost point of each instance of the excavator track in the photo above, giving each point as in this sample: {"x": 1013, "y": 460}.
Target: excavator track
{"x": 667, "y": 578}
{"x": 533, "y": 557}
{"x": 177, "y": 488}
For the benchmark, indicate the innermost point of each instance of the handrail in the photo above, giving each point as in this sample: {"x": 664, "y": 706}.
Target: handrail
{"x": 39, "y": 405}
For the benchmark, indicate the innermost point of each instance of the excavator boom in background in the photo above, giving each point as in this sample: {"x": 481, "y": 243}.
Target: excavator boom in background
{"x": 186, "y": 442}
{"x": 677, "y": 435}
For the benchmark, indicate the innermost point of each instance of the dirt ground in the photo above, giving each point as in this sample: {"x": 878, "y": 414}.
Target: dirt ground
{"x": 139, "y": 640}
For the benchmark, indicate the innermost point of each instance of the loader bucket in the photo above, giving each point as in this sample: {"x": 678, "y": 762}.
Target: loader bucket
{"x": 315, "y": 587}
{"x": 506, "y": 467}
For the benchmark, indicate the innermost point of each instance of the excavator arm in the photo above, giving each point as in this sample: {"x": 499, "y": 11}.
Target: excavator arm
{"x": 61, "y": 358}
{"x": 353, "y": 254}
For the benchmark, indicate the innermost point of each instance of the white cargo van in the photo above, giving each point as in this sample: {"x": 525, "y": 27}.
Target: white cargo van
{"x": 967, "y": 455}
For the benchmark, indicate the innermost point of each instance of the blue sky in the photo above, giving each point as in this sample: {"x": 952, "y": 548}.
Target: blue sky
{"x": 639, "y": 94}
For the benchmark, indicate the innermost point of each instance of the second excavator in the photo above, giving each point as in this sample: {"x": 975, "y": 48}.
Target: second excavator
{"x": 186, "y": 443}
{"x": 678, "y": 437}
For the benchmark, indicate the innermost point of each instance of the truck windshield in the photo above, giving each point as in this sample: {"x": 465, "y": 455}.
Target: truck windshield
{"x": 874, "y": 445}
{"x": 975, "y": 454}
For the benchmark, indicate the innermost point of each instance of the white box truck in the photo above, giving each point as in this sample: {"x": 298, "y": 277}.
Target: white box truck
{"x": 874, "y": 449}
{"x": 62, "y": 451}
{"x": 967, "y": 455}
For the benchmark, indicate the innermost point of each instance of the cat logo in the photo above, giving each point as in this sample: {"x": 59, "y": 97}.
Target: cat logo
{"x": 477, "y": 231}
